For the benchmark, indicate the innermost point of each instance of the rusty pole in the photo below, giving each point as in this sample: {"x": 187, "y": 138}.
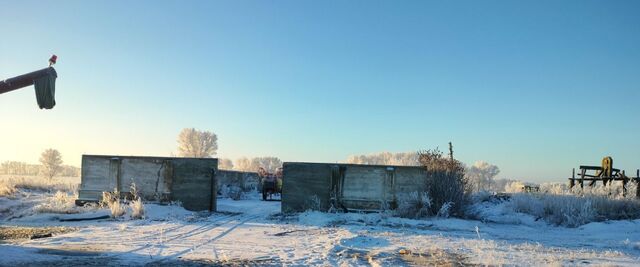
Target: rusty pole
{"x": 24, "y": 80}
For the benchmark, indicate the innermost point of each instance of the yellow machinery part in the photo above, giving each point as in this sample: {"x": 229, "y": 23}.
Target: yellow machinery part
{"x": 607, "y": 167}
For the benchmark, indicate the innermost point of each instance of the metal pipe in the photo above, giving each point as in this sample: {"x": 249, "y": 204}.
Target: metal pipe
{"x": 24, "y": 80}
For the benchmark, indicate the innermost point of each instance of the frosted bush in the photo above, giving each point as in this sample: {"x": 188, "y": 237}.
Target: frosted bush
{"x": 111, "y": 200}
{"x": 108, "y": 197}
{"x": 60, "y": 202}
{"x": 481, "y": 196}
{"x": 232, "y": 191}
{"x": 573, "y": 211}
{"x": 554, "y": 188}
{"x": 612, "y": 190}
{"x": 514, "y": 187}
{"x": 133, "y": 189}
{"x": 6, "y": 188}
{"x": 446, "y": 182}
{"x": 137, "y": 209}
{"x": 413, "y": 205}
{"x": 444, "y": 210}
{"x": 313, "y": 203}
{"x": 117, "y": 209}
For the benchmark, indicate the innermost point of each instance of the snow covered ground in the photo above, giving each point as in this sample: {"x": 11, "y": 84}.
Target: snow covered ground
{"x": 253, "y": 232}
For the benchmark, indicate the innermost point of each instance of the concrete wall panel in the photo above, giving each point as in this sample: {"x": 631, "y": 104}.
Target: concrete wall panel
{"x": 304, "y": 183}
{"x": 188, "y": 180}
{"x": 355, "y": 187}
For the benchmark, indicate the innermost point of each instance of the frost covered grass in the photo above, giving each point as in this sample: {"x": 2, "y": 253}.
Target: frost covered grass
{"x": 137, "y": 209}
{"x": 232, "y": 191}
{"x": 111, "y": 200}
{"x": 413, "y": 205}
{"x": 558, "y": 204}
{"x": 60, "y": 202}
{"x": 6, "y": 188}
{"x": 39, "y": 183}
{"x": 118, "y": 207}
{"x": 613, "y": 190}
{"x": 573, "y": 211}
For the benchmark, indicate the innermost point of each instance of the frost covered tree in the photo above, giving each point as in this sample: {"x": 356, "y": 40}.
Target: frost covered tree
{"x": 225, "y": 164}
{"x": 268, "y": 163}
{"x": 197, "y": 144}
{"x": 51, "y": 161}
{"x": 386, "y": 158}
{"x": 253, "y": 164}
{"x": 481, "y": 175}
{"x": 242, "y": 164}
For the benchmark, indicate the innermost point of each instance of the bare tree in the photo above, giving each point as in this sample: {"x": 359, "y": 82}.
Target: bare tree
{"x": 197, "y": 144}
{"x": 51, "y": 162}
{"x": 225, "y": 164}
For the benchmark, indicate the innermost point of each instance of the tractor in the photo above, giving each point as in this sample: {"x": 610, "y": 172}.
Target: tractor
{"x": 271, "y": 183}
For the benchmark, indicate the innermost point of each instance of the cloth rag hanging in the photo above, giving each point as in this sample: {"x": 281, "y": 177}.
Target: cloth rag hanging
{"x": 46, "y": 89}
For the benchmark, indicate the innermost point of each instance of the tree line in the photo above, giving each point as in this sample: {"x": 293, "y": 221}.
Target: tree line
{"x": 204, "y": 144}
{"x": 480, "y": 175}
{"x": 51, "y": 165}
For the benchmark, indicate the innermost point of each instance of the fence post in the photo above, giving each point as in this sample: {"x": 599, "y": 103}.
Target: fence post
{"x": 638, "y": 183}
{"x": 624, "y": 184}
{"x": 572, "y": 181}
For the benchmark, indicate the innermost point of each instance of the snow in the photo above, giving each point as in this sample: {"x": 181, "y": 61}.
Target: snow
{"x": 254, "y": 231}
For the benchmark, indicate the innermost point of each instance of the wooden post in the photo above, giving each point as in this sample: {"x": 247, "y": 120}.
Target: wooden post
{"x": 638, "y": 188}
{"x": 624, "y": 184}
{"x": 572, "y": 181}
{"x": 638, "y": 183}
{"x": 582, "y": 174}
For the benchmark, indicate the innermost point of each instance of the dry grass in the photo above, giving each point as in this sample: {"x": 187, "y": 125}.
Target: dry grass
{"x": 232, "y": 191}
{"x": 6, "y": 188}
{"x": 117, "y": 209}
{"x": 137, "y": 209}
{"x": 60, "y": 202}
{"x": 413, "y": 205}
{"x": 39, "y": 183}
{"x": 136, "y": 205}
{"x": 111, "y": 200}
{"x": 572, "y": 210}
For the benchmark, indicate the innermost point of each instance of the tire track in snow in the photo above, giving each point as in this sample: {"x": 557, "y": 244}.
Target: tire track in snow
{"x": 204, "y": 242}
{"x": 208, "y": 226}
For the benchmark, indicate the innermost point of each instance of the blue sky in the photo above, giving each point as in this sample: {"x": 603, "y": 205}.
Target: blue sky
{"x": 535, "y": 87}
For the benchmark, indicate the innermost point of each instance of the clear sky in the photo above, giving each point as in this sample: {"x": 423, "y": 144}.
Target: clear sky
{"x": 535, "y": 87}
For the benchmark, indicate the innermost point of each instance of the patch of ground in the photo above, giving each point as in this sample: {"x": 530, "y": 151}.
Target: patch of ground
{"x": 92, "y": 260}
{"x": 434, "y": 257}
{"x": 16, "y": 232}
{"x": 229, "y": 262}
